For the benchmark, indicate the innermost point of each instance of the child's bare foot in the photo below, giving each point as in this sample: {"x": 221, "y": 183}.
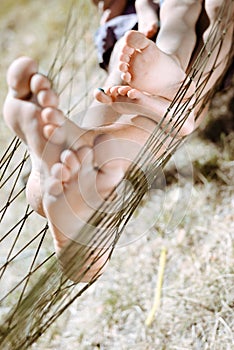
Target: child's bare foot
{"x": 147, "y": 18}
{"x": 31, "y": 110}
{"x": 129, "y": 100}
{"x": 148, "y": 69}
{"x": 75, "y": 189}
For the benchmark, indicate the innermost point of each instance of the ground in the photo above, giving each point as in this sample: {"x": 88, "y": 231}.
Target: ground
{"x": 189, "y": 211}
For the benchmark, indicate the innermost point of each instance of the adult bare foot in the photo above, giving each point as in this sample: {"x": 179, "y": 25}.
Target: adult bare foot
{"x": 31, "y": 111}
{"x": 147, "y": 17}
{"x": 145, "y": 67}
{"x": 78, "y": 184}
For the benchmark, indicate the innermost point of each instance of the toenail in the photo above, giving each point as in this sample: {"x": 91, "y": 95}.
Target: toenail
{"x": 101, "y": 89}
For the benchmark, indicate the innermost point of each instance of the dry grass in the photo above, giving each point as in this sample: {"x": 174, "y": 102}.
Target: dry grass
{"x": 190, "y": 213}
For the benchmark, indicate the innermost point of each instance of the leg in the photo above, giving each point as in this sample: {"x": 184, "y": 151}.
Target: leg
{"x": 148, "y": 22}
{"x": 111, "y": 9}
{"x": 177, "y": 35}
{"x": 215, "y": 40}
{"x": 218, "y": 39}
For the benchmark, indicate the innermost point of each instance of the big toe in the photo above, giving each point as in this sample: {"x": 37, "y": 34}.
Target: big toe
{"x": 19, "y": 75}
{"x": 136, "y": 40}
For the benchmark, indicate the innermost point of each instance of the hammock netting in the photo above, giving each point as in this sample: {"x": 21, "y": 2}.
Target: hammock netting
{"x": 33, "y": 290}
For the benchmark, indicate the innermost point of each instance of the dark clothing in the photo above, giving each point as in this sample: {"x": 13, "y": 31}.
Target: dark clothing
{"x": 109, "y": 33}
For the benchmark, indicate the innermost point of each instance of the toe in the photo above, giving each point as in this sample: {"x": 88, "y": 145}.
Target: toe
{"x": 53, "y": 120}
{"x": 124, "y": 58}
{"x": 54, "y": 187}
{"x": 136, "y": 40}
{"x": 47, "y": 98}
{"x": 51, "y": 115}
{"x": 126, "y": 77}
{"x": 123, "y": 90}
{"x": 123, "y": 67}
{"x": 69, "y": 159}
{"x": 61, "y": 172}
{"x": 134, "y": 94}
{"x": 114, "y": 91}
{"x": 101, "y": 96}
{"x": 19, "y": 75}
{"x": 108, "y": 91}
{"x": 54, "y": 134}
{"x": 39, "y": 82}
{"x": 127, "y": 50}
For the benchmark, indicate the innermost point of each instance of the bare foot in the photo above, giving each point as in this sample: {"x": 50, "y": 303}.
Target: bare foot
{"x": 75, "y": 189}
{"x": 31, "y": 111}
{"x": 65, "y": 186}
{"x": 147, "y": 18}
{"x": 129, "y": 100}
{"x": 148, "y": 69}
